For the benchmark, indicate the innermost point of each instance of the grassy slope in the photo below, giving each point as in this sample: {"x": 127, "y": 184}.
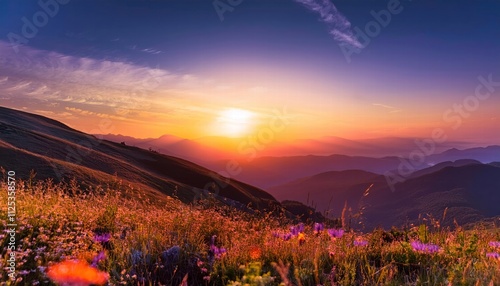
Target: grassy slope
{"x": 54, "y": 150}
{"x": 54, "y": 225}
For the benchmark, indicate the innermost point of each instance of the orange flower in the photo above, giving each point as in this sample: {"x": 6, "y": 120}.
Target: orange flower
{"x": 255, "y": 252}
{"x": 302, "y": 238}
{"x": 75, "y": 272}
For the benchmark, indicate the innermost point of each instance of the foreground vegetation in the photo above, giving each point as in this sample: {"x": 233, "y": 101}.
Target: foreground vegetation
{"x": 136, "y": 241}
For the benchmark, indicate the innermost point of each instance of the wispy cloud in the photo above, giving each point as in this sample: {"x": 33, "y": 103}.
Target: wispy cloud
{"x": 81, "y": 90}
{"x": 151, "y": 51}
{"x": 392, "y": 109}
{"x": 51, "y": 76}
{"x": 338, "y": 25}
{"x": 383, "y": 105}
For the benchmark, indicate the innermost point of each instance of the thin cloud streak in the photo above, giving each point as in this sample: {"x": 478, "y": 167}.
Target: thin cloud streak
{"x": 81, "y": 91}
{"x": 391, "y": 108}
{"x": 51, "y": 76}
{"x": 338, "y": 25}
{"x": 383, "y": 105}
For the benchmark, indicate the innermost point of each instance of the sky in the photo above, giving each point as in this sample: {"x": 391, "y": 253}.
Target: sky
{"x": 197, "y": 68}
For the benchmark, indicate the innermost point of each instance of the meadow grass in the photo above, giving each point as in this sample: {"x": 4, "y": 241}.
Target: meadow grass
{"x": 162, "y": 242}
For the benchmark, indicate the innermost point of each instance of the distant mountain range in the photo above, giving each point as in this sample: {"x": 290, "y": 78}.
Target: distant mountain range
{"x": 234, "y": 148}
{"x": 464, "y": 182}
{"x": 267, "y": 171}
{"x": 469, "y": 190}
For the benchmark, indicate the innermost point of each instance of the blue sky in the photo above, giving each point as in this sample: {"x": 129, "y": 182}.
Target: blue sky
{"x": 263, "y": 55}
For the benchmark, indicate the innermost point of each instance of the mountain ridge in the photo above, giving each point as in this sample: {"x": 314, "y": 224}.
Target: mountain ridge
{"x": 55, "y": 150}
{"x": 469, "y": 192}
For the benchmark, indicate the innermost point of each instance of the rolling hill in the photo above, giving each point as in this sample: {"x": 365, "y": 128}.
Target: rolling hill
{"x": 54, "y": 150}
{"x": 279, "y": 163}
{"x": 469, "y": 192}
{"x": 267, "y": 172}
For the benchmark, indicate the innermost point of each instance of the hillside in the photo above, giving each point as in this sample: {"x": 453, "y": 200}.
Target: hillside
{"x": 180, "y": 245}
{"x": 266, "y": 172}
{"x": 442, "y": 165}
{"x": 54, "y": 150}
{"x": 279, "y": 163}
{"x": 469, "y": 192}
{"x": 483, "y": 154}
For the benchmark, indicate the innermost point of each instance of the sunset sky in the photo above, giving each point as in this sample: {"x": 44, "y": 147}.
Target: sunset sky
{"x": 184, "y": 68}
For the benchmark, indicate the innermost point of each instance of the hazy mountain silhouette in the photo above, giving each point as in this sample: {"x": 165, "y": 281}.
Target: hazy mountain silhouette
{"x": 230, "y": 148}
{"x": 266, "y": 172}
{"x": 471, "y": 192}
{"x": 442, "y": 165}
{"x": 274, "y": 165}
{"x": 171, "y": 145}
{"x": 328, "y": 191}
{"x": 483, "y": 154}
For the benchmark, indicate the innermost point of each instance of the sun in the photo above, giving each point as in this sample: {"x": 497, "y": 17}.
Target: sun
{"x": 234, "y": 122}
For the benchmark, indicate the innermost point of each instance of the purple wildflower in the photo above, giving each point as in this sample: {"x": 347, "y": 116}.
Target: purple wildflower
{"x": 284, "y": 236}
{"x": 335, "y": 233}
{"x": 425, "y": 247}
{"x": 98, "y": 258}
{"x": 102, "y": 238}
{"x": 318, "y": 227}
{"x": 360, "y": 242}
{"x": 494, "y": 255}
{"x": 495, "y": 244}
{"x": 287, "y": 236}
{"x": 295, "y": 230}
{"x": 216, "y": 251}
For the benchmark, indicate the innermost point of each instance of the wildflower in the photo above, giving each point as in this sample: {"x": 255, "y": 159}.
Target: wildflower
{"x": 360, "y": 242}
{"x": 76, "y": 272}
{"x": 212, "y": 239}
{"x": 295, "y": 230}
{"x": 318, "y": 227}
{"x": 217, "y": 252}
{"x": 98, "y": 258}
{"x": 425, "y": 248}
{"x": 494, "y": 255}
{"x": 302, "y": 238}
{"x": 335, "y": 233}
{"x": 255, "y": 252}
{"x": 102, "y": 238}
{"x": 284, "y": 236}
{"x": 495, "y": 244}
{"x": 136, "y": 257}
{"x": 287, "y": 236}
{"x": 171, "y": 255}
